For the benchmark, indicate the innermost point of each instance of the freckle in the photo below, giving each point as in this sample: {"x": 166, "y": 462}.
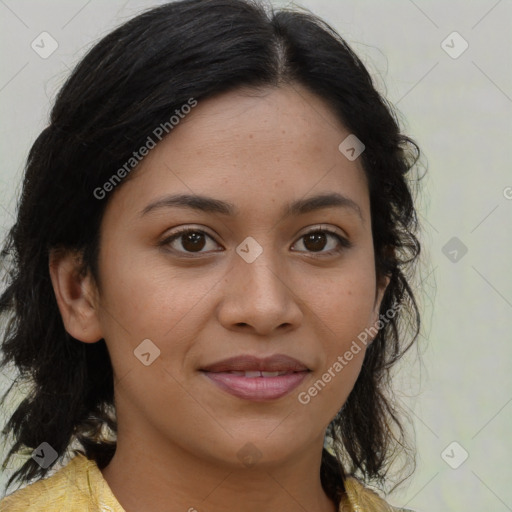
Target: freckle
{"x": 250, "y": 136}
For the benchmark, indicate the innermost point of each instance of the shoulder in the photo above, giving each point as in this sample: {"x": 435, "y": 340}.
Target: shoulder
{"x": 358, "y": 497}
{"x": 61, "y": 491}
{"x": 77, "y": 487}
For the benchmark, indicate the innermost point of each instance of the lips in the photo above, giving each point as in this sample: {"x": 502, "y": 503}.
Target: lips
{"x": 257, "y": 379}
{"x": 257, "y": 373}
{"x": 246, "y": 363}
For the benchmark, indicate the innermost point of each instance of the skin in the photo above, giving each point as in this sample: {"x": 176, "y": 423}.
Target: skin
{"x": 179, "y": 434}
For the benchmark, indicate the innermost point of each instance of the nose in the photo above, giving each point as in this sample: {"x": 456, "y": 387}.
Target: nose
{"x": 259, "y": 297}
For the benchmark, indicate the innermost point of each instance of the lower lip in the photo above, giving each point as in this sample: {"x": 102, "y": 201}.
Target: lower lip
{"x": 258, "y": 389}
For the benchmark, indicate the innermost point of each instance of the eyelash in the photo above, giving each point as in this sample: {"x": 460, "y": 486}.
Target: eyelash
{"x": 343, "y": 242}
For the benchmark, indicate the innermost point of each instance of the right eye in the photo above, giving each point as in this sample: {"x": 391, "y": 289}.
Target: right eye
{"x": 187, "y": 241}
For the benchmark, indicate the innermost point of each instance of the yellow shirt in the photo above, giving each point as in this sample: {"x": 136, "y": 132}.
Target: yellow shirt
{"x": 80, "y": 487}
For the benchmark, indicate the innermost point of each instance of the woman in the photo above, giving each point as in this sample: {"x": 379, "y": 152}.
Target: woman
{"x": 208, "y": 272}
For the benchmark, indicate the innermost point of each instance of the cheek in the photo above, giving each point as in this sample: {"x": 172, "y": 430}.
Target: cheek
{"x": 342, "y": 302}
{"x": 149, "y": 295}
{"x": 138, "y": 303}
{"x": 348, "y": 316}
{"x": 343, "y": 308}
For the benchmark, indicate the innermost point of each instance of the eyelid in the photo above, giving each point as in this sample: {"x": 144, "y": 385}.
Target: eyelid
{"x": 324, "y": 227}
{"x": 190, "y": 227}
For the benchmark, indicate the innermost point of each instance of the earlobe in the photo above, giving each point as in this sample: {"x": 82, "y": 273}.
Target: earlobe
{"x": 74, "y": 294}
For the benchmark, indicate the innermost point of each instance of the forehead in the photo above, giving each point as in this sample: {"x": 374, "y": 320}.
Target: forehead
{"x": 252, "y": 147}
{"x": 282, "y": 118}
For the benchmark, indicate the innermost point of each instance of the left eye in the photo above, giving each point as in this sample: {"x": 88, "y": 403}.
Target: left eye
{"x": 318, "y": 239}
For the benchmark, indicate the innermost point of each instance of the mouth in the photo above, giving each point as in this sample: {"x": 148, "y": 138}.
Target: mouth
{"x": 257, "y": 379}
{"x": 256, "y": 373}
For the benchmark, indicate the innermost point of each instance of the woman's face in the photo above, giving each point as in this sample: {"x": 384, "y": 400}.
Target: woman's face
{"x": 245, "y": 285}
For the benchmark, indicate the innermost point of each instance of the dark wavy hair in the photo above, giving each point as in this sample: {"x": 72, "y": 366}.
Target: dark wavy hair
{"x": 125, "y": 86}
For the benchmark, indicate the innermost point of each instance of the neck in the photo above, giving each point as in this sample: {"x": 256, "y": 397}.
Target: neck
{"x": 173, "y": 480}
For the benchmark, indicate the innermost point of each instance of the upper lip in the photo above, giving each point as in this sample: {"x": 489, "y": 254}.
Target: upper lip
{"x": 246, "y": 363}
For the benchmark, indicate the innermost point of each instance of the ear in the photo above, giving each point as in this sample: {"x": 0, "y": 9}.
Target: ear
{"x": 76, "y": 296}
{"x": 382, "y": 284}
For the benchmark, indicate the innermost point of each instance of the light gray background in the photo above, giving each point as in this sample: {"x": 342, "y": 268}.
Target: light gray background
{"x": 460, "y": 112}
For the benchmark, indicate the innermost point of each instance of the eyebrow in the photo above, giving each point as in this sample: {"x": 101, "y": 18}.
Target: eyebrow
{"x": 211, "y": 205}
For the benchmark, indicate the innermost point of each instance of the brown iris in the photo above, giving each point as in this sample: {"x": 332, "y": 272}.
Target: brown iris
{"x": 193, "y": 241}
{"x": 315, "y": 241}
